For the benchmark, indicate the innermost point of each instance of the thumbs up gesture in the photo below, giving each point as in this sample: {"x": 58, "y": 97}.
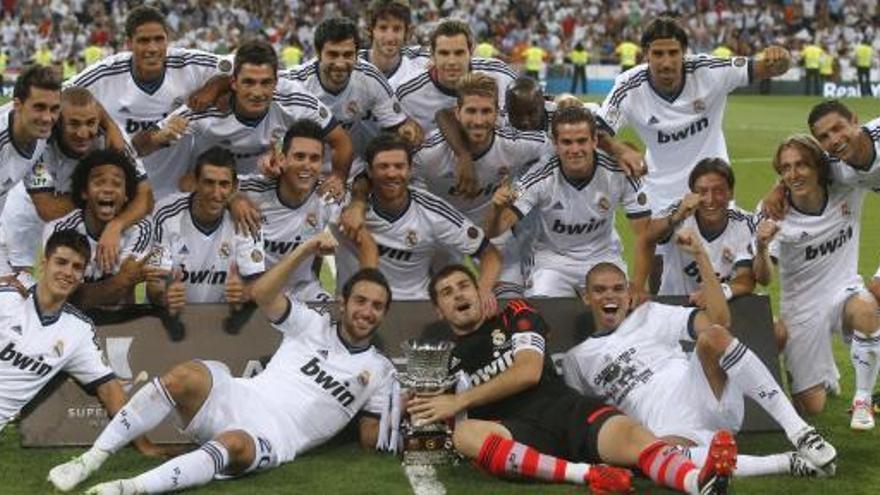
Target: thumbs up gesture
{"x": 234, "y": 286}
{"x": 175, "y": 292}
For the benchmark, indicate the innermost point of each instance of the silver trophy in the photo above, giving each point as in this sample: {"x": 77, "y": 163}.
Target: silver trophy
{"x": 427, "y": 373}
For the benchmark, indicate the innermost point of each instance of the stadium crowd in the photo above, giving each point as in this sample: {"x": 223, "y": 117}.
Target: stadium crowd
{"x": 222, "y": 176}
{"x": 62, "y": 30}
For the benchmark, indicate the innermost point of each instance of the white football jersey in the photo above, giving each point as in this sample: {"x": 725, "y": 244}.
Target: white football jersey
{"x": 818, "y": 254}
{"x": 625, "y": 367}
{"x": 413, "y": 60}
{"x": 408, "y": 241}
{"x": 421, "y": 95}
{"x": 136, "y": 241}
{"x": 367, "y": 96}
{"x": 509, "y": 155}
{"x": 576, "y": 219}
{"x": 870, "y": 177}
{"x": 51, "y": 173}
{"x": 15, "y": 163}
{"x": 34, "y": 347}
{"x": 136, "y": 107}
{"x": 286, "y": 226}
{"x": 680, "y": 130}
{"x": 728, "y": 250}
{"x": 203, "y": 253}
{"x": 316, "y": 381}
{"x": 248, "y": 140}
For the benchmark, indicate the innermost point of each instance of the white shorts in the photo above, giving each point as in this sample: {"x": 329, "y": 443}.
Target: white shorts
{"x": 689, "y": 408}
{"x": 809, "y": 359}
{"x": 233, "y": 404}
{"x": 22, "y": 228}
{"x": 562, "y": 280}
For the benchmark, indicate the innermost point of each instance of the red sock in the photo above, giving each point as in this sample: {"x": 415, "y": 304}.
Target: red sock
{"x": 502, "y": 457}
{"x": 665, "y": 465}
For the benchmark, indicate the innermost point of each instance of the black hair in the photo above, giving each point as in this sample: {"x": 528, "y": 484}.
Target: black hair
{"x": 336, "y": 30}
{"x": 255, "y": 52}
{"x": 450, "y": 28}
{"x": 445, "y": 272}
{"x": 388, "y": 8}
{"x": 572, "y": 115}
{"x": 367, "y": 275}
{"x": 828, "y": 107}
{"x": 711, "y": 166}
{"x": 141, "y": 15}
{"x": 302, "y": 128}
{"x": 387, "y": 141}
{"x": 218, "y": 157}
{"x": 35, "y": 76}
{"x": 71, "y": 239}
{"x": 664, "y": 28}
{"x": 97, "y": 158}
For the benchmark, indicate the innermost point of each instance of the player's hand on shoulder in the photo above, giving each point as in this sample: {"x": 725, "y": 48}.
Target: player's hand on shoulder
{"x": 11, "y": 280}
{"x": 774, "y": 205}
{"x": 466, "y": 176}
{"x": 173, "y": 130}
{"x": 323, "y": 244}
{"x": 352, "y": 217}
{"x": 632, "y": 162}
{"x": 271, "y": 163}
{"x": 505, "y": 195}
{"x": 246, "y": 216}
{"x": 332, "y": 187}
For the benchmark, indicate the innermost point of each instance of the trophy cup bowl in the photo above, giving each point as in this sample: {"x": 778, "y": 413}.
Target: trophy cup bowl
{"x": 427, "y": 373}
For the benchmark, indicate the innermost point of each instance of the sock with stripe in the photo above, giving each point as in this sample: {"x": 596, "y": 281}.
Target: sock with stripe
{"x": 503, "y": 457}
{"x": 667, "y": 466}
{"x": 193, "y": 469}
{"x": 143, "y": 412}
{"x": 865, "y": 356}
{"x": 745, "y": 370}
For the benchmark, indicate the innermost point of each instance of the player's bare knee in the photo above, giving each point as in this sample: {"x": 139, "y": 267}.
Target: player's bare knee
{"x": 240, "y": 446}
{"x": 469, "y": 436}
{"x": 874, "y": 287}
{"x": 861, "y": 314}
{"x": 780, "y": 333}
{"x": 713, "y": 341}
{"x": 185, "y": 380}
{"x": 811, "y": 401}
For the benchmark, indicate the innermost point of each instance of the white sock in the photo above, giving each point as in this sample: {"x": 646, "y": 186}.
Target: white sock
{"x": 748, "y": 372}
{"x": 576, "y": 472}
{"x": 748, "y": 465}
{"x": 865, "y": 356}
{"x": 193, "y": 469}
{"x": 143, "y": 412}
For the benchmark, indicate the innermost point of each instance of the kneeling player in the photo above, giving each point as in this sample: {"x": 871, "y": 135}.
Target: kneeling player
{"x": 634, "y": 361}
{"x": 247, "y": 425}
{"x": 524, "y": 421}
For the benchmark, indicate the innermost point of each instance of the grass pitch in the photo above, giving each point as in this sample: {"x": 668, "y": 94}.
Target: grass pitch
{"x": 754, "y": 126}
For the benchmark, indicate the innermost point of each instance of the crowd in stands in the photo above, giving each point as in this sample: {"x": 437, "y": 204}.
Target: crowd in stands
{"x": 78, "y": 32}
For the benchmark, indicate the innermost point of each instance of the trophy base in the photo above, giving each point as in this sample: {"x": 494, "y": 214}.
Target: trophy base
{"x": 429, "y": 448}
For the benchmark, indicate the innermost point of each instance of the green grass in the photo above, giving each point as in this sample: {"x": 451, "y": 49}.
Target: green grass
{"x": 754, "y": 125}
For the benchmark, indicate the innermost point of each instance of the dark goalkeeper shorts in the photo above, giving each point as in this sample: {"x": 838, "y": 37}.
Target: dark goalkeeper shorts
{"x": 566, "y": 427}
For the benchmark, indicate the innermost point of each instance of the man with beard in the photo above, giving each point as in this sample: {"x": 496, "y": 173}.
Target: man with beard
{"x": 523, "y": 421}
{"x": 390, "y": 22}
{"x": 245, "y": 425}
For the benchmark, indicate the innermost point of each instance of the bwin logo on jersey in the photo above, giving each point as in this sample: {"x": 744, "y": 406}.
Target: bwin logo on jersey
{"x": 337, "y": 389}
{"x": 204, "y": 277}
{"x": 24, "y": 362}
{"x": 577, "y": 228}
{"x": 281, "y": 247}
{"x": 134, "y": 126}
{"x": 682, "y": 134}
{"x": 395, "y": 254}
{"x": 828, "y": 247}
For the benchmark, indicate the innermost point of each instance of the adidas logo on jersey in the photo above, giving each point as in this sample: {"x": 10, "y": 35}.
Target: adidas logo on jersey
{"x": 337, "y": 389}
{"x": 653, "y": 120}
{"x": 558, "y": 206}
{"x": 829, "y": 246}
{"x": 124, "y": 109}
{"x": 16, "y": 329}
{"x": 24, "y": 362}
{"x": 183, "y": 250}
{"x": 577, "y": 228}
{"x": 681, "y": 135}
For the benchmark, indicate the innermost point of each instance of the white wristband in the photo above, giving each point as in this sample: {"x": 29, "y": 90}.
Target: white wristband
{"x": 728, "y": 292}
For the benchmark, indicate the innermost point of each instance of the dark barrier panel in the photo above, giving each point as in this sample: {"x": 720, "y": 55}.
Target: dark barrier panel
{"x": 138, "y": 346}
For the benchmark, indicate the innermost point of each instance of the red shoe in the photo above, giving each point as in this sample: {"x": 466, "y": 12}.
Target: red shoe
{"x": 605, "y": 480}
{"x": 719, "y": 466}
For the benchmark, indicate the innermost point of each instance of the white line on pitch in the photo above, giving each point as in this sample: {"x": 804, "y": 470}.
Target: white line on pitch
{"x": 423, "y": 480}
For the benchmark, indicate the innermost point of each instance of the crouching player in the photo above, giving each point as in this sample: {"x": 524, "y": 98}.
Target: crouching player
{"x": 524, "y": 421}
{"x": 250, "y": 424}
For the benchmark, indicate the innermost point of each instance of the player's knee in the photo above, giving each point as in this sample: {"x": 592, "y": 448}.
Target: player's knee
{"x": 874, "y": 287}
{"x": 713, "y": 341}
{"x": 184, "y": 378}
{"x": 469, "y": 436}
{"x": 240, "y": 447}
{"x": 811, "y": 401}
{"x": 861, "y": 311}
{"x": 780, "y": 332}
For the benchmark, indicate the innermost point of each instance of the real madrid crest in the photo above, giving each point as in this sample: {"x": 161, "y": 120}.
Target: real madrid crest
{"x": 498, "y": 337}
{"x": 224, "y": 250}
{"x": 411, "y": 238}
{"x": 352, "y": 108}
{"x": 256, "y": 256}
{"x": 364, "y": 378}
{"x": 604, "y": 203}
{"x": 727, "y": 254}
{"x": 312, "y": 219}
{"x": 844, "y": 209}
{"x": 699, "y": 106}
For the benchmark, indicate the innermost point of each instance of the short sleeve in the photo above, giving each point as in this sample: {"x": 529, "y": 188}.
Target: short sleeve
{"x": 87, "y": 364}
{"x": 612, "y": 113}
{"x": 729, "y": 73}
{"x": 452, "y": 229}
{"x": 137, "y": 240}
{"x": 40, "y": 178}
{"x": 299, "y": 317}
{"x": 531, "y": 189}
{"x": 526, "y": 327}
{"x": 375, "y": 405}
{"x": 249, "y": 254}
{"x": 635, "y": 198}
